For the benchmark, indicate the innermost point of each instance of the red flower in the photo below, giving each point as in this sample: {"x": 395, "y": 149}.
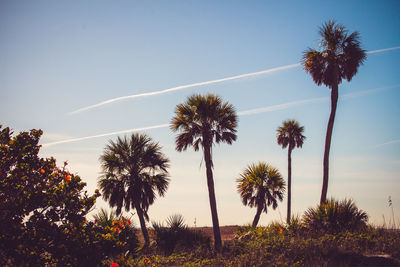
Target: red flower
{"x": 114, "y": 264}
{"x": 68, "y": 178}
{"x": 129, "y": 221}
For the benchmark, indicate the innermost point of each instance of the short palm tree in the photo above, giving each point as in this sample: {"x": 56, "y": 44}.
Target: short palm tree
{"x": 105, "y": 218}
{"x": 201, "y": 121}
{"x": 339, "y": 59}
{"x": 261, "y": 185}
{"x": 290, "y": 135}
{"x": 133, "y": 170}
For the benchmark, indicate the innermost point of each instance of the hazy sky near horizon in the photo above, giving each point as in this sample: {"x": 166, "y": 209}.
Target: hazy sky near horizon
{"x": 87, "y": 71}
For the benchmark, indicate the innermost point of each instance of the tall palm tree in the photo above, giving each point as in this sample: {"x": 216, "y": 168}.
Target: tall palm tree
{"x": 339, "y": 59}
{"x": 203, "y": 120}
{"x": 133, "y": 170}
{"x": 290, "y": 135}
{"x": 261, "y": 185}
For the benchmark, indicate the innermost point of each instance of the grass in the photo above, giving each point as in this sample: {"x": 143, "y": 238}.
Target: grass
{"x": 277, "y": 245}
{"x": 315, "y": 239}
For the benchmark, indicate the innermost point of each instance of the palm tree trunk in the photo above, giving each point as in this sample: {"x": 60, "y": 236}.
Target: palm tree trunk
{"x": 257, "y": 217}
{"x": 334, "y": 100}
{"x": 289, "y": 197}
{"x": 211, "y": 195}
{"x": 142, "y": 224}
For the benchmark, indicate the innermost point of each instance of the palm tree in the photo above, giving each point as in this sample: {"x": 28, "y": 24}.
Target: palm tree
{"x": 261, "y": 185}
{"x": 202, "y": 120}
{"x": 290, "y": 135}
{"x": 104, "y": 219}
{"x": 339, "y": 59}
{"x": 133, "y": 170}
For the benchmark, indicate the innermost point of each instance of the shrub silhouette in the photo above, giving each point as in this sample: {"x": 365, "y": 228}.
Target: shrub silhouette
{"x": 335, "y": 216}
{"x": 177, "y": 236}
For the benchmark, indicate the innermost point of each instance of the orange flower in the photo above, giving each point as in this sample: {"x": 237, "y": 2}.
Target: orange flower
{"x": 41, "y": 171}
{"x": 68, "y": 178}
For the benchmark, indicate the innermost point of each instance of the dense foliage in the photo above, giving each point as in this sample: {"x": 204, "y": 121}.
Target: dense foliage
{"x": 335, "y": 216}
{"x": 43, "y": 209}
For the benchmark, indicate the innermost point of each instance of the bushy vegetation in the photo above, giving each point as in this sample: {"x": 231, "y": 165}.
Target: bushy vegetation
{"x": 43, "y": 211}
{"x": 176, "y": 236}
{"x": 280, "y": 244}
{"x": 353, "y": 243}
{"x": 335, "y": 216}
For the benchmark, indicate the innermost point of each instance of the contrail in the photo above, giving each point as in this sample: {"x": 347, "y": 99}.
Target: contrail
{"x": 383, "y": 50}
{"x": 282, "y": 106}
{"x": 285, "y": 67}
{"x": 241, "y": 113}
{"x": 311, "y": 101}
{"x": 388, "y": 143}
{"x": 106, "y": 134}
{"x": 291, "y": 66}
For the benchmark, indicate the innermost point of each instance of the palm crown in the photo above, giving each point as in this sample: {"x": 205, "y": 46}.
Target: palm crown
{"x": 203, "y": 119}
{"x": 290, "y": 134}
{"x": 133, "y": 168}
{"x": 261, "y": 185}
{"x": 340, "y": 58}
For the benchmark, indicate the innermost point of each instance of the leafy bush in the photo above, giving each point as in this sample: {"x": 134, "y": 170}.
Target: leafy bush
{"x": 177, "y": 236}
{"x": 43, "y": 210}
{"x": 335, "y": 216}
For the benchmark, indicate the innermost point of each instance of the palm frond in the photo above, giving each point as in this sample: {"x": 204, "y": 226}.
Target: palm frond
{"x": 340, "y": 57}
{"x": 133, "y": 168}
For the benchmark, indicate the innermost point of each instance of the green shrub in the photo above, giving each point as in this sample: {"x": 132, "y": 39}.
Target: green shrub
{"x": 177, "y": 236}
{"x": 335, "y": 216}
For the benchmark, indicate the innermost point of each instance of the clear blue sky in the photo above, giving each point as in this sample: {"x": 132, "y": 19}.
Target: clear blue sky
{"x": 57, "y": 57}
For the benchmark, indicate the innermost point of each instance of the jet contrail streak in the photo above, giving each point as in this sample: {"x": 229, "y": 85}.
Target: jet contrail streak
{"x": 282, "y": 106}
{"x": 383, "y": 50}
{"x": 240, "y": 113}
{"x": 311, "y": 101}
{"x": 291, "y": 66}
{"x": 387, "y": 143}
{"x": 106, "y": 134}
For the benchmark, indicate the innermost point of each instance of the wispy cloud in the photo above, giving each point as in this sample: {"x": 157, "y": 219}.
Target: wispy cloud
{"x": 105, "y": 134}
{"x": 241, "y": 76}
{"x": 240, "y": 113}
